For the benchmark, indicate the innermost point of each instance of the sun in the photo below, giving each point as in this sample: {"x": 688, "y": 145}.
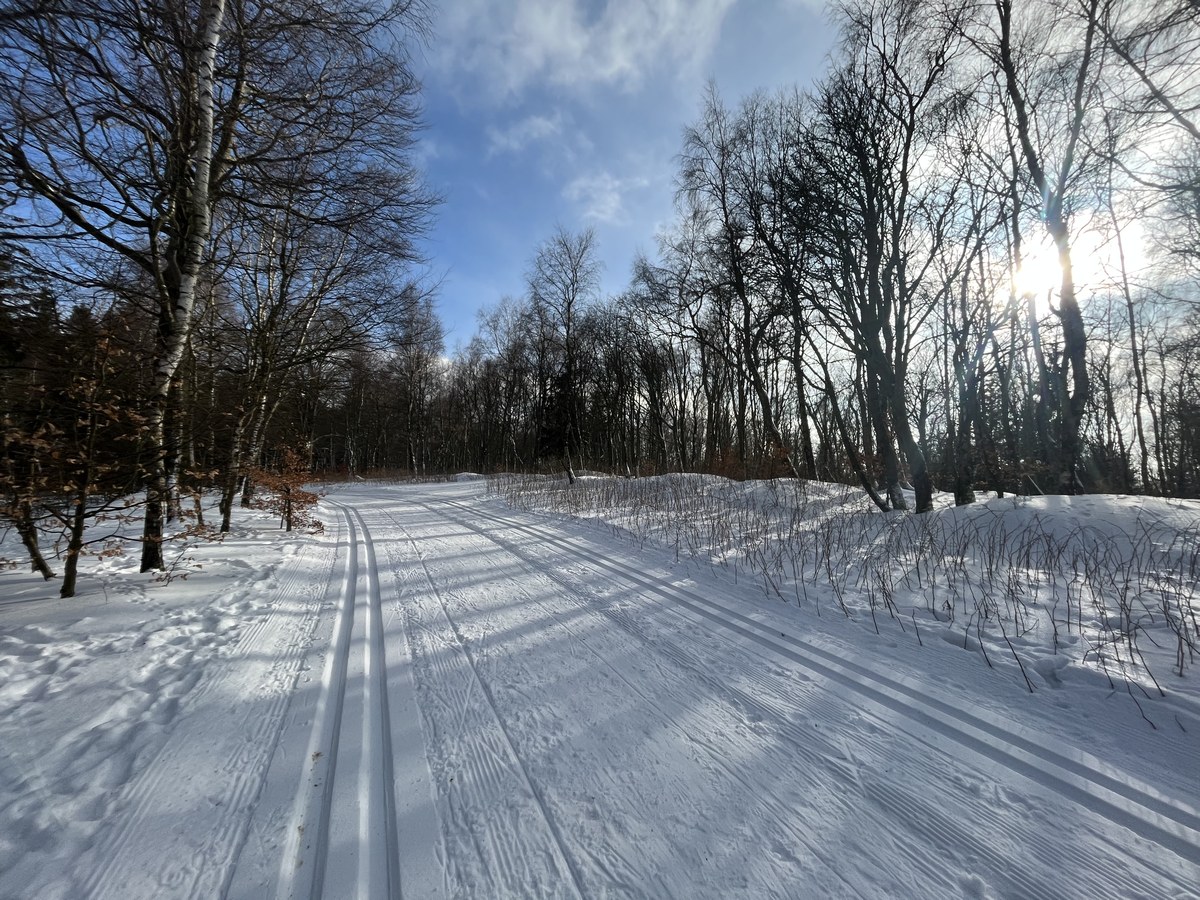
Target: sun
{"x": 1097, "y": 260}
{"x": 1039, "y": 273}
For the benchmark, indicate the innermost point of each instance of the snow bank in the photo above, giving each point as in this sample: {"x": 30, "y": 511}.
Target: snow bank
{"x": 1111, "y": 583}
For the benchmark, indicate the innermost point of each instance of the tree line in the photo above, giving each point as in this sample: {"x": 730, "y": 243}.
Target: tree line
{"x": 206, "y": 204}
{"x": 965, "y": 259}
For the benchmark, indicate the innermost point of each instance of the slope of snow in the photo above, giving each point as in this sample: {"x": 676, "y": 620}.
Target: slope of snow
{"x": 1107, "y": 583}
{"x": 444, "y": 696}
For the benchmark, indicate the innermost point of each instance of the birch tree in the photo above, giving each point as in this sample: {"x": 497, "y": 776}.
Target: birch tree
{"x": 129, "y": 126}
{"x": 112, "y": 141}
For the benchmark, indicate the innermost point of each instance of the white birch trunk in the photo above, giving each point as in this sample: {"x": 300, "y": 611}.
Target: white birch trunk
{"x": 175, "y": 327}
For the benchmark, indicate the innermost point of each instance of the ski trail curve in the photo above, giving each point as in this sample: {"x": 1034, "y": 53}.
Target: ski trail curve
{"x": 1073, "y": 774}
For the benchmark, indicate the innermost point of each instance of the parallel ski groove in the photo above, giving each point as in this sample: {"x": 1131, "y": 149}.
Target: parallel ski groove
{"x": 898, "y": 802}
{"x": 477, "y": 679}
{"x": 378, "y": 874}
{"x": 1164, "y": 820}
{"x": 305, "y": 852}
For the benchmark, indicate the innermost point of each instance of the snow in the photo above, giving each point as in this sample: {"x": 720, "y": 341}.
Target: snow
{"x": 444, "y": 695}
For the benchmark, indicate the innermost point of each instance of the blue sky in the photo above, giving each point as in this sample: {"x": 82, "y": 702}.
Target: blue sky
{"x": 542, "y": 112}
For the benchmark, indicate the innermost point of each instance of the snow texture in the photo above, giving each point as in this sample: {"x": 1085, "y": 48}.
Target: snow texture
{"x": 446, "y": 696}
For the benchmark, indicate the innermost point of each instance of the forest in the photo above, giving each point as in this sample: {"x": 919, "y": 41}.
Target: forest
{"x": 966, "y": 260}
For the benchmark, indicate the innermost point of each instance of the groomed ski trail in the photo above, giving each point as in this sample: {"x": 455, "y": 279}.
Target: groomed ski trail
{"x": 443, "y": 697}
{"x": 1072, "y": 772}
{"x": 183, "y": 818}
{"x": 344, "y": 838}
{"x": 1138, "y": 840}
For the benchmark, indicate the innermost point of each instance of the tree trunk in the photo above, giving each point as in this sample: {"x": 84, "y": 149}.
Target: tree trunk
{"x": 885, "y": 503}
{"x": 27, "y": 529}
{"x": 918, "y": 468}
{"x": 778, "y": 449}
{"x": 173, "y": 449}
{"x": 79, "y": 515}
{"x": 885, "y": 444}
{"x": 1074, "y": 367}
{"x": 175, "y": 319}
{"x": 263, "y": 413}
{"x": 964, "y": 463}
{"x": 850, "y": 450}
{"x": 229, "y": 483}
{"x": 74, "y": 546}
{"x": 1048, "y": 399}
{"x": 804, "y": 414}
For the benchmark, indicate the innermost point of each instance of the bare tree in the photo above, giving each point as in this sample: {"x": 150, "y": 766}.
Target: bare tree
{"x": 563, "y": 279}
{"x": 114, "y": 138}
{"x": 887, "y": 212}
{"x": 126, "y": 128}
{"x": 1158, "y": 46}
{"x": 1048, "y": 121}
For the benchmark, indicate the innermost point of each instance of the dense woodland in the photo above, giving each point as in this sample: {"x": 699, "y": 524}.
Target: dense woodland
{"x": 967, "y": 259}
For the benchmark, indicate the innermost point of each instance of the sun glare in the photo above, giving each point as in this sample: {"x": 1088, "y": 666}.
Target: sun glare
{"x": 1096, "y": 261}
{"x": 1039, "y": 272}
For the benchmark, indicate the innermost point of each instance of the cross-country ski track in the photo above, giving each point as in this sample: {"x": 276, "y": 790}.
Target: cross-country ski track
{"x": 442, "y": 697}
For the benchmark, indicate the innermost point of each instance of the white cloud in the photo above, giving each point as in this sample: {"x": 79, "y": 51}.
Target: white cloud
{"x": 507, "y": 45}
{"x": 425, "y": 151}
{"x": 601, "y": 195}
{"x": 524, "y": 132}
{"x": 812, "y": 6}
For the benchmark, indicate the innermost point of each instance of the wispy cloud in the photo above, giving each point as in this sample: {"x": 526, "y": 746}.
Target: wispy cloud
{"x": 519, "y": 135}
{"x": 425, "y": 152}
{"x": 507, "y": 46}
{"x": 601, "y": 195}
{"x": 815, "y": 6}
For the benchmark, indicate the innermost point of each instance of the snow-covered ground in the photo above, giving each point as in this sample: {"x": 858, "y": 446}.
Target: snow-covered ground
{"x": 444, "y": 696}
